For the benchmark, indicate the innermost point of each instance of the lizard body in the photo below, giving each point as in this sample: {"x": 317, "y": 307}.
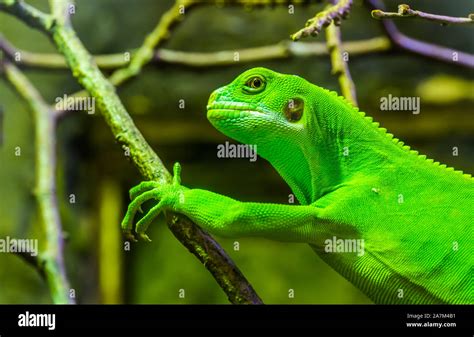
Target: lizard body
{"x": 354, "y": 182}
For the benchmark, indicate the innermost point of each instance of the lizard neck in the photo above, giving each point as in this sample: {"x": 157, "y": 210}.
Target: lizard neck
{"x": 337, "y": 146}
{"x": 294, "y": 168}
{"x": 311, "y": 168}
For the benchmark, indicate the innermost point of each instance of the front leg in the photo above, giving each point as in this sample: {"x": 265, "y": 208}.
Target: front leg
{"x": 221, "y": 215}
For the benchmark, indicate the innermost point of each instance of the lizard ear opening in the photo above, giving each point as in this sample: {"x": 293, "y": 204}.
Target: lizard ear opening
{"x": 294, "y": 110}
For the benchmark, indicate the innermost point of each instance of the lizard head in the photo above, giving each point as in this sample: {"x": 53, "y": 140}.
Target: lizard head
{"x": 274, "y": 113}
{"x": 262, "y": 107}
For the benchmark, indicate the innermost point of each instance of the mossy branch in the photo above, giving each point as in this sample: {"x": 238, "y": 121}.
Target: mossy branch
{"x": 148, "y": 163}
{"x": 50, "y": 261}
{"x": 335, "y": 13}
{"x": 340, "y": 67}
{"x": 404, "y": 12}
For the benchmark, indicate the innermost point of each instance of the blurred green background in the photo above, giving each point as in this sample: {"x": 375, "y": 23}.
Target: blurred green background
{"x": 93, "y": 168}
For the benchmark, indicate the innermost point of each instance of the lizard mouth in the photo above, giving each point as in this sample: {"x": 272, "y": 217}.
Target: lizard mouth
{"x": 231, "y": 110}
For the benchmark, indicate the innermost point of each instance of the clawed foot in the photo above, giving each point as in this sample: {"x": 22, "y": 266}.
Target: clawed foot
{"x": 166, "y": 196}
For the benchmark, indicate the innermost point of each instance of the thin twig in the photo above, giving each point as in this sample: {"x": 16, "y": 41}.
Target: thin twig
{"x": 282, "y": 50}
{"x": 404, "y": 11}
{"x": 161, "y": 32}
{"x": 335, "y": 13}
{"x": 422, "y": 48}
{"x": 50, "y": 262}
{"x": 340, "y": 67}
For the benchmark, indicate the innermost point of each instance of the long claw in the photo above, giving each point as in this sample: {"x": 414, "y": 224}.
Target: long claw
{"x": 129, "y": 236}
{"x": 144, "y": 237}
{"x": 133, "y": 207}
{"x": 144, "y": 222}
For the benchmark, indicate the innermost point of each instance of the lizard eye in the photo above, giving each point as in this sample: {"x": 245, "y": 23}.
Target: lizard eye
{"x": 294, "y": 109}
{"x": 254, "y": 85}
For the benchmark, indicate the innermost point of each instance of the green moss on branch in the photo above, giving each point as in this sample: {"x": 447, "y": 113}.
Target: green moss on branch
{"x": 50, "y": 261}
{"x": 340, "y": 67}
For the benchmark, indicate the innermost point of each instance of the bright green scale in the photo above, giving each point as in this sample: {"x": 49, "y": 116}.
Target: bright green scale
{"x": 353, "y": 181}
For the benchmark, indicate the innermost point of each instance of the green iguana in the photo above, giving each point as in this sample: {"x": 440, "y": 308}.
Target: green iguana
{"x": 354, "y": 182}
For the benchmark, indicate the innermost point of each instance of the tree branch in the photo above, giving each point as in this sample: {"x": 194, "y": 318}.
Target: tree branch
{"x": 337, "y": 12}
{"x": 50, "y": 262}
{"x": 404, "y": 11}
{"x": 282, "y": 50}
{"x": 422, "y": 48}
{"x": 339, "y": 64}
{"x": 28, "y": 14}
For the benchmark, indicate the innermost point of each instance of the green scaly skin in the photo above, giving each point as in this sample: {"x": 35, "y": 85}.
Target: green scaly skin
{"x": 353, "y": 181}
